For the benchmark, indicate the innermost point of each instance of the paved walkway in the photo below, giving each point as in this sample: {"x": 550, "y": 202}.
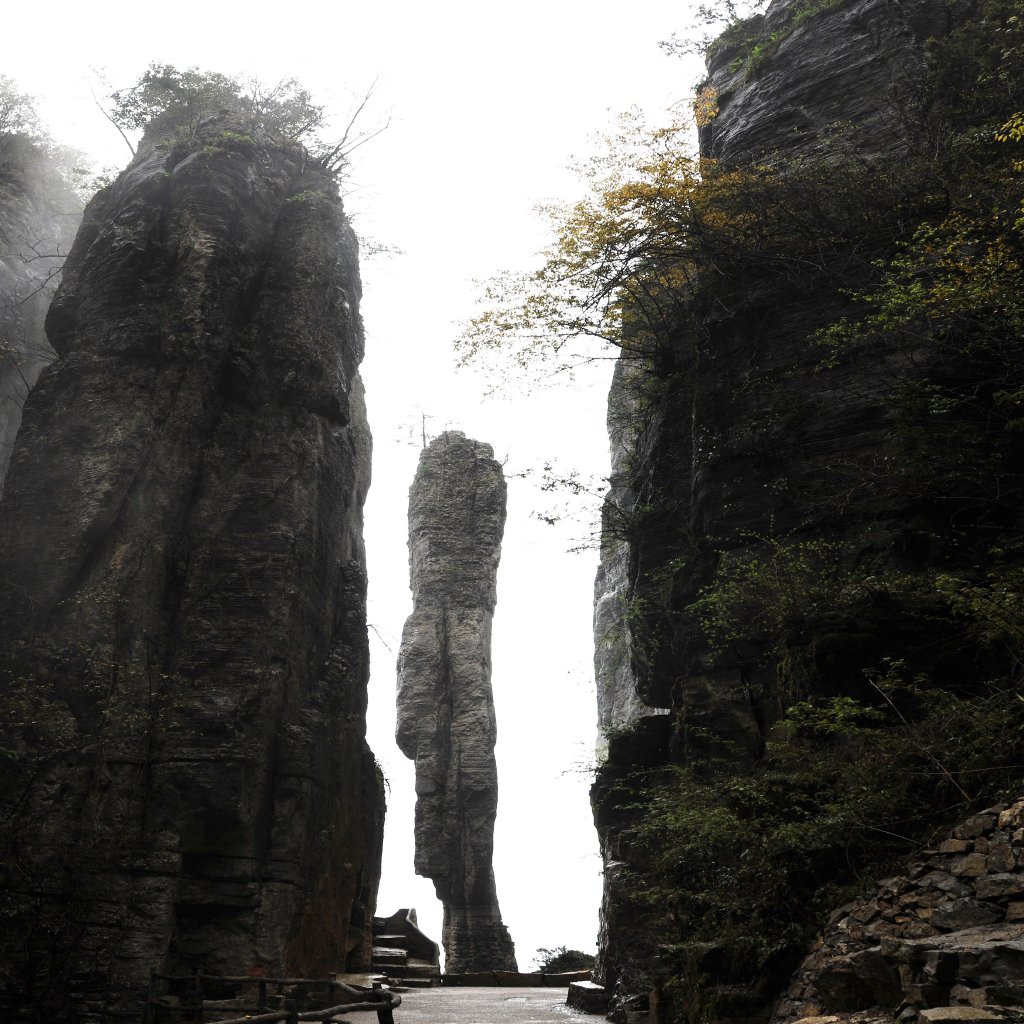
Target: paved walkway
{"x": 487, "y": 1006}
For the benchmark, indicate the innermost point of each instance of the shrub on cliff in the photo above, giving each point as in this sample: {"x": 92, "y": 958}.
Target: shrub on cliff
{"x": 664, "y": 236}
{"x": 747, "y": 862}
{"x": 167, "y": 104}
{"x": 650, "y": 250}
{"x": 879, "y": 662}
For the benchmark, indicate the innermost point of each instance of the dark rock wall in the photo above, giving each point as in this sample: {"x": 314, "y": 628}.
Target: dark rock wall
{"x": 445, "y": 705}
{"x": 184, "y": 648}
{"x": 846, "y": 69}
{"x": 39, "y": 215}
{"x": 740, "y": 436}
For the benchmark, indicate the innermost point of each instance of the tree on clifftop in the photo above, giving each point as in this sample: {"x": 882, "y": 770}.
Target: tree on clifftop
{"x": 18, "y": 117}
{"x": 168, "y": 103}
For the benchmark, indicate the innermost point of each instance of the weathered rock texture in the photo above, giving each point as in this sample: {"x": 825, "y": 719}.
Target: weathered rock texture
{"x": 739, "y": 439}
{"x": 845, "y": 70}
{"x": 39, "y": 215}
{"x": 184, "y": 652}
{"x": 619, "y": 705}
{"x": 948, "y": 932}
{"x": 445, "y": 705}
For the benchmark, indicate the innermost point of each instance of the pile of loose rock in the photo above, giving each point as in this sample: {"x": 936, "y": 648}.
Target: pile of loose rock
{"x": 945, "y": 942}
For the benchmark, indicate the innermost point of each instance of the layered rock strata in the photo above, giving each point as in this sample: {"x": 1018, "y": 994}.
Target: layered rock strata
{"x": 446, "y": 717}
{"x": 186, "y": 783}
{"x": 619, "y": 704}
{"x": 787, "y": 83}
{"x": 739, "y": 439}
{"x": 949, "y": 932}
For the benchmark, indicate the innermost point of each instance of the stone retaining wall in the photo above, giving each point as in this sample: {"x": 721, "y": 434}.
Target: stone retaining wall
{"x": 514, "y": 979}
{"x": 950, "y": 932}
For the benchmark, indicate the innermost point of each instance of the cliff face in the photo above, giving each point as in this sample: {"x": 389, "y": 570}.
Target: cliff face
{"x": 184, "y": 653}
{"x": 619, "y": 704}
{"x": 39, "y": 215}
{"x": 760, "y": 471}
{"x": 945, "y": 932}
{"x": 445, "y": 705}
{"x": 785, "y": 82}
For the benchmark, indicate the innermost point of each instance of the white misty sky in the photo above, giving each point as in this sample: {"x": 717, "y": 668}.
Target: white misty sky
{"x": 488, "y": 104}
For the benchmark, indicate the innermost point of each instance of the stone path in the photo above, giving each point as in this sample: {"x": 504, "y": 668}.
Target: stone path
{"x": 487, "y": 1006}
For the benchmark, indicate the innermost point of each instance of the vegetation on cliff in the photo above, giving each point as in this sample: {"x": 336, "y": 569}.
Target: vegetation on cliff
{"x": 168, "y": 103}
{"x": 873, "y": 615}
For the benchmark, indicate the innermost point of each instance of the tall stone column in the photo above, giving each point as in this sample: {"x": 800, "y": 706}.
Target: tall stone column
{"x": 445, "y": 705}
{"x": 183, "y": 656}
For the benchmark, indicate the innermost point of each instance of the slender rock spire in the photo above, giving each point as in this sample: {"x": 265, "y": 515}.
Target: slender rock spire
{"x": 445, "y": 705}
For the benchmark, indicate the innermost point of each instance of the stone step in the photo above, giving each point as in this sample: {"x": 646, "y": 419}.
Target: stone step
{"x": 360, "y": 979}
{"x": 413, "y": 970}
{"x": 588, "y": 996}
{"x": 382, "y": 955}
{"x": 394, "y": 941}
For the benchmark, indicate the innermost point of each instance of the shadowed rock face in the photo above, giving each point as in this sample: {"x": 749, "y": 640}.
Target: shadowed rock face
{"x": 619, "y": 704}
{"x": 445, "y": 706}
{"x": 742, "y": 438}
{"x": 183, "y": 653}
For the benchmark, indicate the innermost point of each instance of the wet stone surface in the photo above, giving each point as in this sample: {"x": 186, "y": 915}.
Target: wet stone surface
{"x": 487, "y": 1006}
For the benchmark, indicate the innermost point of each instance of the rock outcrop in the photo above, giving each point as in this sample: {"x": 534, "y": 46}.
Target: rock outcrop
{"x": 949, "y": 932}
{"x": 745, "y": 442}
{"x": 186, "y": 783}
{"x": 791, "y": 79}
{"x": 445, "y": 705}
{"x": 39, "y": 215}
{"x": 619, "y": 705}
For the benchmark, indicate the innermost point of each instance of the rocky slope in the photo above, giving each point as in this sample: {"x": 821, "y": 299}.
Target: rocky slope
{"x": 39, "y": 215}
{"x": 445, "y": 705}
{"x": 761, "y": 473}
{"x": 186, "y": 783}
{"x": 947, "y": 932}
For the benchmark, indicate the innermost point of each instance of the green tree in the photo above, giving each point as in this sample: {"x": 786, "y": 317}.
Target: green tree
{"x": 167, "y": 104}
{"x": 560, "y": 960}
{"x": 663, "y": 237}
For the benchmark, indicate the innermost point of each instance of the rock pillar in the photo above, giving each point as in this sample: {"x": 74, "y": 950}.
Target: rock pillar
{"x": 185, "y": 783}
{"x": 445, "y": 705}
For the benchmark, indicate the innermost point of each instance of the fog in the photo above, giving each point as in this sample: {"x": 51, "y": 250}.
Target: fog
{"x": 487, "y": 105}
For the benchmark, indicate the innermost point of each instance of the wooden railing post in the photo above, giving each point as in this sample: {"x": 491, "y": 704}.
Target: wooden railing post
{"x": 193, "y": 1009}
{"x": 199, "y": 995}
{"x": 384, "y": 1014}
{"x": 150, "y": 1011}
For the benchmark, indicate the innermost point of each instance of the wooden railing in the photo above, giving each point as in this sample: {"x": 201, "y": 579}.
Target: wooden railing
{"x": 200, "y": 1010}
